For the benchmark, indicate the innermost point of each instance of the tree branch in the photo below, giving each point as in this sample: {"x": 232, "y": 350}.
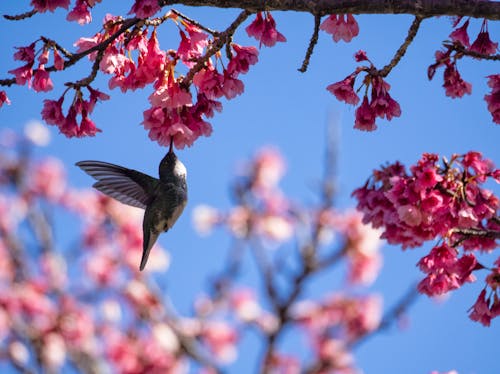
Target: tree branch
{"x": 312, "y": 43}
{"x": 412, "y": 32}
{"x": 423, "y": 8}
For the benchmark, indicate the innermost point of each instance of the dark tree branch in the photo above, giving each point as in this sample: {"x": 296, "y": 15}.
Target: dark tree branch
{"x": 423, "y": 8}
{"x": 412, "y": 32}
{"x": 312, "y": 43}
{"x": 460, "y": 49}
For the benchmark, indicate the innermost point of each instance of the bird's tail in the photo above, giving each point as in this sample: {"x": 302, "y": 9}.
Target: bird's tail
{"x": 148, "y": 241}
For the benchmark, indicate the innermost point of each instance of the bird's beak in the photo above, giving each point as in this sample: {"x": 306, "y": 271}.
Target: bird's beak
{"x": 171, "y": 150}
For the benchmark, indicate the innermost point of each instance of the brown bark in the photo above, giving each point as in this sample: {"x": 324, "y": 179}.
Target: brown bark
{"x": 423, "y": 8}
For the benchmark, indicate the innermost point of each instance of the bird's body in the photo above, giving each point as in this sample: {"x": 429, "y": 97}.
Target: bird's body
{"x": 163, "y": 199}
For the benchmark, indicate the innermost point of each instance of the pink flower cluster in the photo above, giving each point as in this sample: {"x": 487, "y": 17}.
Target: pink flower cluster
{"x": 380, "y": 104}
{"x": 264, "y": 30}
{"x": 38, "y": 78}
{"x": 175, "y": 112}
{"x": 52, "y": 113}
{"x": 432, "y": 200}
{"x": 454, "y": 85}
{"x": 341, "y": 27}
{"x": 445, "y": 201}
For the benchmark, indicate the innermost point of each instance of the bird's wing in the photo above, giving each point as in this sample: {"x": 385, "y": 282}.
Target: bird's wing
{"x": 125, "y": 185}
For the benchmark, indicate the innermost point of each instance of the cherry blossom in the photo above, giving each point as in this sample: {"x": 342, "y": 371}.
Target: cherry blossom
{"x": 341, "y": 27}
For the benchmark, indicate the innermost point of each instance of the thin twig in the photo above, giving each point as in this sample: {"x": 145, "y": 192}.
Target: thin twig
{"x": 312, "y": 43}
{"x": 21, "y": 16}
{"x": 412, "y": 32}
{"x": 460, "y": 49}
{"x": 195, "y": 23}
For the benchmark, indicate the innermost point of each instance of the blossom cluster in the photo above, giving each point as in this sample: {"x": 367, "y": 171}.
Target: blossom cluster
{"x": 380, "y": 104}
{"x": 482, "y": 46}
{"x": 445, "y": 201}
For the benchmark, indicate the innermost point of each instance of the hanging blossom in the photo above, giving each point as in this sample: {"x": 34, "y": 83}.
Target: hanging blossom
{"x": 380, "y": 104}
{"x": 341, "y": 27}
{"x": 52, "y": 113}
{"x": 493, "y": 98}
{"x": 264, "y": 30}
{"x": 437, "y": 201}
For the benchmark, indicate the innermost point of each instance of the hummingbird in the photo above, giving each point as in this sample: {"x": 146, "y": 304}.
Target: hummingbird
{"x": 162, "y": 199}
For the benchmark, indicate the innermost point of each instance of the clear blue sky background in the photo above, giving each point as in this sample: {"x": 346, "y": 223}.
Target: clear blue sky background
{"x": 290, "y": 110}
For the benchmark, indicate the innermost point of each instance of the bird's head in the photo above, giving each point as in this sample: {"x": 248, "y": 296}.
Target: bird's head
{"x": 171, "y": 167}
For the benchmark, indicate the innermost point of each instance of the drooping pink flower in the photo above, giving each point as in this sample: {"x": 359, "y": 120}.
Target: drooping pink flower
{"x": 344, "y": 90}
{"x": 210, "y": 82}
{"x": 483, "y": 44}
{"x": 25, "y": 53}
{"x": 144, "y": 8}
{"x": 493, "y": 99}
{"x": 240, "y": 63}
{"x": 41, "y": 80}
{"x": 480, "y": 311}
{"x": 95, "y": 96}
{"x": 58, "y": 60}
{"x": 49, "y": 5}
{"x": 341, "y": 28}
{"x": 264, "y": 30}
{"x": 80, "y": 13}
{"x": 382, "y": 103}
{"x": 454, "y": 85}
{"x": 365, "y": 117}
{"x": 52, "y": 111}
{"x": 170, "y": 95}
{"x": 87, "y": 127}
{"x": 69, "y": 126}
{"x": 43, "y": 58}
{"x": 460, "y": 35}
{"x": 191, "y": 47}
{"x": 270, "y": 36}
{"x": 23, "y": 74}
{"x": 232, "y": 87}
{"x": 3, "y": 98}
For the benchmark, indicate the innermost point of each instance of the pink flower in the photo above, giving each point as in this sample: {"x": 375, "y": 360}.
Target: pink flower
{"x": 95, "y": 95}
{"x": 170, "y": 95}
{"x": 48, "y": 179}
{"x": 365, "y": 117}
{"x": 210, "y": 82}
{"x": 240, "y": 63}
{"x": 87, "y": 127}
{"x": 232, "y": 87}
{"x": 44, "y": 56}
{"x": 341, "y": 28}
{"x": 144, "y": 8}
{"x": 344, "y": 90}
{"x": 69, "y": 127}
{"x": 3, "y": 98}
{"x": 460, "y": 35}
{"x": 480, "y": 311}
{"x": 52, "y": 111}
{"x": 50, "y": 5}
{"x": 25, "y": 53}
{"x": 191, "y": 47}
{"x": 493, "y": 99}
{"x": 221, "y": 339}
{"x": 483, "y": 44}
{"x": 80, "y": 13}
{"x": 264, "y": 30}
{"x": 454, "y": 85}
{"x": 58, "y": 60}
{"x": 41, "y": 80}
{"x": 23, "y": 74}
{"x": 382, "y": 103}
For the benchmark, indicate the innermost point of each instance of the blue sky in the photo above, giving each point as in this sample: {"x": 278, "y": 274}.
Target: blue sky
{"x": 290, "y": 110}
